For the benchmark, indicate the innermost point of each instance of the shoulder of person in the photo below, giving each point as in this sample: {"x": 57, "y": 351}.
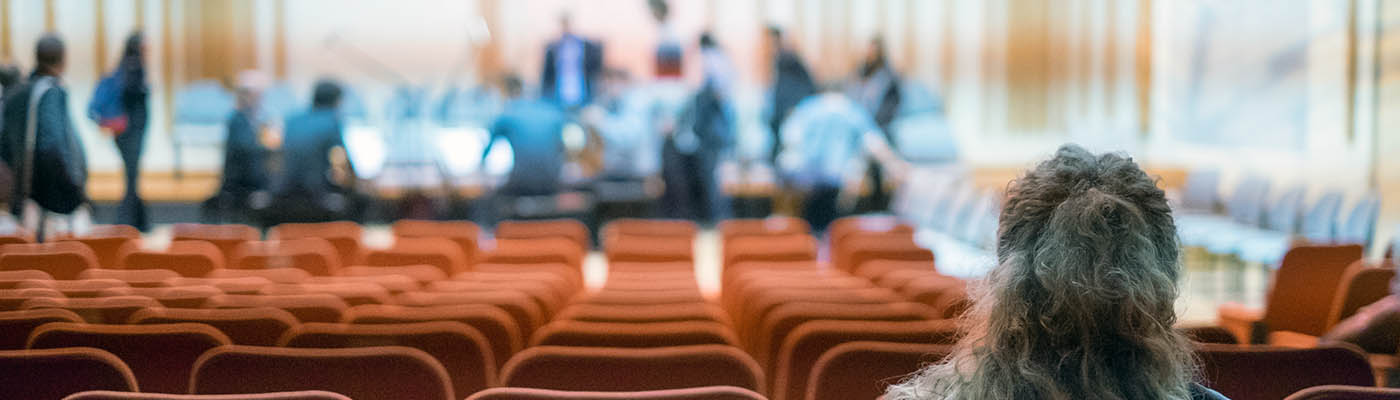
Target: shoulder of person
{"x": 1199, "y": 392}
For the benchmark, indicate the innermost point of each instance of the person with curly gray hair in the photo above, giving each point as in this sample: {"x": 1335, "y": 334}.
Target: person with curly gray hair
{"x": 1080, "y": 305}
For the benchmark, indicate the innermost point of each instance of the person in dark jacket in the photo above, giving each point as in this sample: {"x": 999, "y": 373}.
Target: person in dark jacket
{"x": 57, "y": 176}
{"x": 245, "y": 155}
{"x": 534, "y": 129}
{"x": 134, "y": 99}
{"x": 313, "y": 157}
{"x": 876, "y": 88}
{"x": 791, "y": 84}
{"x": 572, "y": 67}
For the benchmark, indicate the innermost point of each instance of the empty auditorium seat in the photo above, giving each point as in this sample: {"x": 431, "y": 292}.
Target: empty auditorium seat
{"x": 557, "y": 277}
{"x": 107, "y": 242}
{"x": 316, "y": 256}
{"x": 255, "y": 326}
{"x": 947, "y": 295}
{"x": 521, "y": 307}
{"x": 101, "y": 310}
{"x": 132, "y": 277}
{"x": 673, "y": 228}
{"x": 299, "y": 395}
{"x": 632, "y": 334}
{"x": 799, "y": 353}
{"x": 190, "y": 258}
{"x": 16, "y": 326}
{"x": 465, "y": 234}
{"x": 395, "y": 284}
{"x": 464, "y": 352}
{"x": 500, "y": 330}
{"x": 634, "y": 297}
{"x": 676, "y": 266}
{"x": 236, "y": 285}
{"x": 314, "y": 307}
{"x": 861, "y": 248}
{"x": 649, "y": 249}
{"x": 643, "y": 313}
{"x": 1343, "y": 392}
{"x": 344, "y": 235}
{"x": 1362, "y": 285}
{"x": 354, "y": 293}
{"x": 560, "y": 228}
{"x": 420, "y": 273}
{"x": 225, "y": 237}
{"x": 613, "y": 369}
{"x": 1301, "y": 297}
{"x": 862, "y": 370}
{"x": 177, "y": 297}
{"x": 545, "y": 296}
{"x": 875, "y": 269}
{"x": 845, "y": 226}
{"x": 8, "y": 279}
{"x": 161, "y": 356}
{"x": 438, "y": 252}
{"x": 700, "y": 393}
{"x": 61, "y": 260}
{"x": 796, "y": 247}
{"x": 366, "y": 373}
{"x": 545, "y": 250}
{"x": 14, "y": 299}
{"x": 1261, "y": 372}
{"x": 774, "y": 329}
{"x": 74, "y": 288}
{"x": 53, "y": 374}
{"x": 772, "y": 226}
{"x": 651, "y": 281}
{"x": 753, "y": 309}
{"x": 276, "y": 275}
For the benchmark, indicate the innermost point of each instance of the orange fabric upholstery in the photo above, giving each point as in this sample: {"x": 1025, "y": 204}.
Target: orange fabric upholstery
{"x": 1342, "y": 392}
{"x": 862, "y": 370}
{"x": 876, "y": 269}
{"x": 650, "y": 228}
{"x": 795, "y": 247}
{"x": 344, "y": 235}
{"x": 192, "y": 258}
{"x": 318, "y": 307}
{"x": 256, "y": 326}
{"x": 299, "y": 395}
{"x": 438, "y": 252}
{"x": 53, "y": 374}
{"x": 461, "y": 350}
{"x": 420, "y": 273}
{"x": 276, "y": 275}
{"x": 74, "y": 288}
{"x": 630, "y": 334}
{"x": 643, "y": 313}
{"x": 1361, "y": 285}
{"x": 562, "y": 228}
{"x": 610, "y": 369}
{"x": 132, "y": 277}
{"x": 61, "y": 260}
{"x": 316, "y": 256}
{"x": 799, "y": 353}
{"x": 1261, "y": 372}
{"x": 465, "y": 234}
{"x": 353, "y": 293}
{"x": 548, "y": 250}
{"x": 8, "y": 279}
{"x": 107, "y": 242}
{"x": 225, "y": 237}
{"x": 500, "y": 330}
{"x": 161, "y": 356}
{"x": 545, "y": 296}
{"x": 523, "y": 309}
{"x": 777, "y": 326}
{"x": 16, "y": 326}
{"x": 367, "y": 373}
{"x": 701, "y": 393}
{"x": 771, "y": 226}
{"x": 233, "y": 285}
{"x": 859, "y": 249}
{"x": 632, "y": 297}
{"x": 176, "y": 297}
{"x": 649, "y": 249}
{"x": 101, "y": 310}
{"x": 1302, "y": 295}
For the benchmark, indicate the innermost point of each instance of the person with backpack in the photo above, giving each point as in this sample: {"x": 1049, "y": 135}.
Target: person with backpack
{"x": 120, "y": 107}
{"x": 40, "y": 144}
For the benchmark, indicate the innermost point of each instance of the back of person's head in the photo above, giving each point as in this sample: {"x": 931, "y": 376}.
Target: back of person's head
{"x": 135, "y": 45}
{"x": 9, "y": 76}
{"x": 775, "y": 32}
{"x": 1080, "y": 305}
{"x": 511, "y": 85}
{"x": 707, "y": 41}
{"x": 49, "y": 55}
{"x": 325, "y": 95}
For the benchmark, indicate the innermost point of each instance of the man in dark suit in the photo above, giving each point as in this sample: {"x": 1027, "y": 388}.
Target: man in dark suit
{"x": 572, "y": 65}
{"x": 313, "y": 153}
{"x": 791, "y": 84}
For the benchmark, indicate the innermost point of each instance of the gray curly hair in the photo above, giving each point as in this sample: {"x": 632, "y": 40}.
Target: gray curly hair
{"x": 1080, "y": 305}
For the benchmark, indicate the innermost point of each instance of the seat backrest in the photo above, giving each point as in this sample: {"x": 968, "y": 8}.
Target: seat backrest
{"x": 1343, "y": 392}
{"x": 1362, "y": 284}
{"x": 1305, "y": 286}
{"x": 545, "y": 250}
{"x": 61, "y": 260}
{"x": 627, "y": 334}
{"x": 344, "y": 235}
{"x": 500, "y": 330}
{"x": 161, "y": 356}
{"x": 365, "y": 373}
{"x": 700, "y": 393}
{"x": 1320, "y": 223}
{"x": 862, "y": 370}
{"x": 299, "y": 395}
{"x": 133, "y": 277}
{"x": 436, "y": 251}
{"x": 230, "y": 285}
{"x": 650, "y": 228}
{"x": 256, "y": 326}
{"x": 801, "y": 350}
{"x": 86, "y": 288}
{"x": 100, "y": 310}
{"x": 793, "y": 247}
{"x": 613, "y": 369}
{"x": 523, "y": 309}
{"x": 275, "y": 275}
{"x": 190, "y": 258}
{"x": 51, "y": 374}
{"x": 464, "y": 352}
{"x": 225, "y": 237}
{"x": 16, "y": 326}
{"x": 771, "y": 226}
{"x": 174, "y": 297}
{"x": 354, "y": 293}
{"x": 778, "y": 325}
{"x": 420, "y": 273}
{"x": 648, "y": 249}
{"x": 1262, "y": 372}
{"x": 1360, "y": 224}
{"x": 316, "y": 256}
{"x": 107, "y": 242}
{"x": 858, "y": 249}
{"x": 572, "y": 230}
{"x": 313, "y": 307}
{"x": 644, "y": 313}
{"x": 465, "y": 234}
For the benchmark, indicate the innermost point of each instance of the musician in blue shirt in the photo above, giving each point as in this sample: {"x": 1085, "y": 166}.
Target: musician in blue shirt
{"x": 534, "y": 129}
{"x": 822, "y": 144}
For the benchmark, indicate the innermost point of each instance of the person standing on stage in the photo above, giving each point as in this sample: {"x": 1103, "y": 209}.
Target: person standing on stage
{"x": 131, "y": 73}
{"x": 791, "y": 84}
{"x": 876, "y": 88}
{"x": 572, "y": 67}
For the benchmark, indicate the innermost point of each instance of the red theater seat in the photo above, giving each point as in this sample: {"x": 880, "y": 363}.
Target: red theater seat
{"x": 643, "y": 313}
{"x": 61, "y": 260}
{"x": 276, "y": 275}
{"x": 776, "y": 326}
{"x": 771, "y": 226}
{"x": 366, "y": 373}
{"x": 191, "y": 258}
{"x": 613, "y": 369}
{"x": 132, "y": 277}
{"x": 545, "y": 296}
{"x": 521, "y": 307}
{"x": 301, "y": 395}
{"x": 344, "y": 235}
{"x": 354, "y": 293}
{"x": 795, "y": 247}
{"x": 317, "y": 307}
{"x": 225, "y": 237}
{"x": 495, "y": 324}
{"x": 74, "y": 288}
{"x": 465, "y": 234}
{"x": 631, "y": 334}
{"x": 799, "y": 352}
{"x": 100, "y": 310}
{"x": 463, "y": 351}
{"x": 672, "y": 228}
{"x": 240, "y": 285}
{"x": 1261, "y": 372}
{"x": 420, "y": 273}
{"x": 1301, "y": 298}
{"x": 316, "y": 256}
{"x": 176, "y": 297}
{"x": 108, "y": 242}
{"x": 547, "y": 250}
{"x": 1342, "y": 392}
{"x": 559, "y": 228}
{"x": 701, "y": 393}
{"x": 257, "y": 326}
{"x": 8, "y": 279}
{"x": 16, "y": 326}
{"x": 53, "y": 374}
{"x": 862, "y": 370}
{"x": 161, "y": 356}
{"x": 438, "y": 252}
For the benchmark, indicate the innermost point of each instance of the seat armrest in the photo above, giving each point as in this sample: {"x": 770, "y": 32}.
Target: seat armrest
{"x": 1292, "y": 339}
{"x": 1244, "y": 322}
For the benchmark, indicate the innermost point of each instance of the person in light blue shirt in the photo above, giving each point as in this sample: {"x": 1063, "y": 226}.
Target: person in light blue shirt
{"x": 822, "y": 142}
{"x": 534, "y": 128}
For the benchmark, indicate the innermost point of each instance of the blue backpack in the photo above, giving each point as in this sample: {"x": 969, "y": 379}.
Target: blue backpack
{"x": 106, "y": 107}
